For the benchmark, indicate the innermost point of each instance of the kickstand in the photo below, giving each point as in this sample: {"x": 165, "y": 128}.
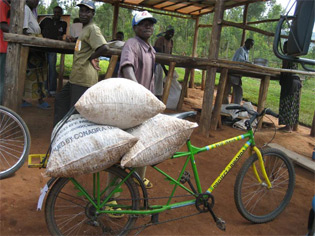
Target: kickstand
{"x": 219, "y": 222}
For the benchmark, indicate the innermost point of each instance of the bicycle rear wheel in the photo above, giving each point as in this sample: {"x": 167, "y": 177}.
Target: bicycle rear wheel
{"x": 254, "y": 200}
{"x": 68, "y": 212}
{"x": 15, "y": 142}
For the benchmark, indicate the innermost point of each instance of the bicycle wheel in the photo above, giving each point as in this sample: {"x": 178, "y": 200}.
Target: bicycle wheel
{"x": 254, "y": 200}
{"x": 15, "y": 142}
{"x": 68, "y": 212}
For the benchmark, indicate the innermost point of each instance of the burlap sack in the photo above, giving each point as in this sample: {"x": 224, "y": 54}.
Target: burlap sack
{"x": 159, "y": 138}
{"x": 118, "y": 102}
{"x": 82, "y": 147}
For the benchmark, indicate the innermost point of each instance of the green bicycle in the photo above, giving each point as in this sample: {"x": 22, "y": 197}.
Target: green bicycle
{"x": 91, "y": 205}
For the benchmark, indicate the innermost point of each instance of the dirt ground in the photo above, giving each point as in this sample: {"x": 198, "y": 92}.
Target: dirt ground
{"x": 19, "y": 193}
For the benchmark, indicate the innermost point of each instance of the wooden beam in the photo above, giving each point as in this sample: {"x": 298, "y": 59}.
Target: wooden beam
{"x": 244, "y": 23}
{"x": 194, "y": 53}
{"x": 111, "y": 66}
{"x": 263, "y": 91}
{"x": 115, "y": 19}
{"x": 22, "y": 72}
{"x": 184, "y": 90}
{"x": 218, "y": 99}
{"x": 61, "y": 71}
{"x": 168, "y": 82}
{"x": 12, "y": 73}
{"x": 246, "y": 27}
{"x": 205, "y": 119}
{"x": 37, "y": 41}
{"x": 203, "y": 80}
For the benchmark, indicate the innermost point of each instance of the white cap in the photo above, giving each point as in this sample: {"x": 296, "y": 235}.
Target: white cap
{"x": 142, "y": 15}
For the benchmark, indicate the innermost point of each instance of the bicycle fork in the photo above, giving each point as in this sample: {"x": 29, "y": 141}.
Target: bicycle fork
{"x": 262, "y": 167}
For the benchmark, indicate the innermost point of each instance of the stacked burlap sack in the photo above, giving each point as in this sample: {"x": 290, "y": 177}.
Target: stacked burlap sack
{"x": 119, "y": 121}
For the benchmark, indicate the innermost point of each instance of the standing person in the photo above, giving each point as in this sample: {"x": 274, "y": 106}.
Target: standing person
{"x": 138, "y": 60}
{"x": 235, "y": 81}
{"x": 4, "y": 27}
{"x": 36, "y": 64}
{"x": 53, "y": 28}
{"x": 289, "y": 106}
{"x": 163, "y": 44}
{"x": 90, "y": 45}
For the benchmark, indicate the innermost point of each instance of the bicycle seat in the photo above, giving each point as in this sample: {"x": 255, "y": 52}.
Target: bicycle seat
{"x": 183, "y": 115}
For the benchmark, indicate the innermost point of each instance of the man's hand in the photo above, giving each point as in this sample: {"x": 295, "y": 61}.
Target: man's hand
{"x": 95, "y": 64}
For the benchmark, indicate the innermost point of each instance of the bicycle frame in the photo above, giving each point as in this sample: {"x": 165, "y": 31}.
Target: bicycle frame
{"x": 192, "y": 150}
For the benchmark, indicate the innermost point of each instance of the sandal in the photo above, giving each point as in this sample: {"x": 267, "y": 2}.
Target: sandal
{"x": 44, "y": 106}
{"x": 146, "y": 182}
{"x": 111, "y": 208}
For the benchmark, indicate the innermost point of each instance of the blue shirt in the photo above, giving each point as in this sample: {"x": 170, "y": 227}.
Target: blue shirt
{"x": 241, "y": 55}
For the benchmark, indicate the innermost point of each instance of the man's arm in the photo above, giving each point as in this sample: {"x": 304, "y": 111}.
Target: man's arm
{"x": 4, "y": 27}
{"x": 98, "y": 52}
{"x": 129, "y": 73}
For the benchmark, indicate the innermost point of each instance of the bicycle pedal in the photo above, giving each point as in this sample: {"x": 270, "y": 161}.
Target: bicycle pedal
{"x": 220, "y": 224}
{"x": 35, "y": 161}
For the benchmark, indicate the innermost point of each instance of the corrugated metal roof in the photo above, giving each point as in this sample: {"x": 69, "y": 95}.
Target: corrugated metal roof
{"x": 191, "y": 8}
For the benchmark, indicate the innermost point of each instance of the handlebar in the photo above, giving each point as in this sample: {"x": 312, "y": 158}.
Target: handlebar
{"x": 253, "y": 113}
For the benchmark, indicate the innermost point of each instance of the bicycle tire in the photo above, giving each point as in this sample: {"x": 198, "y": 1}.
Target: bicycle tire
{"x": 254, "y": 200}
{"x": 68, "y": 212}
{"x": 15, "y": 142}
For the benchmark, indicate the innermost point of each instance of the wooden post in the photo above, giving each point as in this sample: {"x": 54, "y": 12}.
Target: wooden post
{"x": 203, "y": 80}
{"x": 263, "y": 91}
{"x": 205, "y": 119}
{"x": 12, "y": 67}
{"x": 22, "y": 72}
{"x": 194, "y": 53}
{"x": 313, "y": 126}
{"x": 111, "y": 66}
{"x": 244, "y": 23}
{"x": 184, "y": 89}
{"x": 218, "y": 100}
{"x": 168, "y": 82}
{"x": 61, "y": 71}
{"x": 115, "y": 19}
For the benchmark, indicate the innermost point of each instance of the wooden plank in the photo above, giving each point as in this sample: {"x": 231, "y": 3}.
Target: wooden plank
{"x": 11, "y": 84}
{"x": 263, "y": 91}
{"x": 184, "y": 90}
{"x": 115, "y": 19}
{"x": 168, "y": 82}
{"x": 194, "y": 53}
{"x": 22, "y": 73}
{"x": 296, "y": 158}
{"x": 244, "y": 23}
{"x": 61, "y": 71}
{"x": 218, "y": 99}
{"x": 203, "y": 80}
{"x": 111, "y": 66}
{"x": 205, "y": 118}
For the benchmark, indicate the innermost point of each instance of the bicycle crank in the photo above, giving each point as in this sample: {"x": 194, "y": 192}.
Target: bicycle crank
{"x": 218, "y": 221}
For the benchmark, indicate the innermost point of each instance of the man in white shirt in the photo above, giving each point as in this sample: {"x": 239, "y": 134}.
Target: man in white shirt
{"x": 240, "y": 55}
{"x": 30, "y": 25}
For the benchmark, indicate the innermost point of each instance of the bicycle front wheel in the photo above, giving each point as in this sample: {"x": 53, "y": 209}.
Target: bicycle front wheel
{"x": 15, "y": 142}
{"x": 69, "y": 212}
{"x": 255, "y": 201}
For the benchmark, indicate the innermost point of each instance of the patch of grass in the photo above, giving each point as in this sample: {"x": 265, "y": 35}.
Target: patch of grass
{"x": 250, "y": 89}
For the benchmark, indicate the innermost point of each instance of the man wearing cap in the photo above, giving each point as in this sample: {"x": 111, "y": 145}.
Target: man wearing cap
{"x": 90, "y": 45}
{"x": 138, "y": 60}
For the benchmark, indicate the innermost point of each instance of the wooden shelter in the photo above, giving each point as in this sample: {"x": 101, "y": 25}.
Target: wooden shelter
{"x": 19, "y": 44}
